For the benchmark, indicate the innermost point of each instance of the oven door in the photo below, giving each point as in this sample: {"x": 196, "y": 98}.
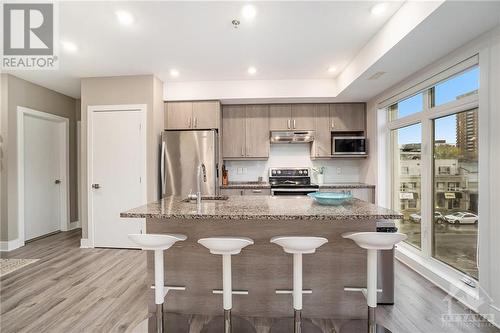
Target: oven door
{"x": 292, "y": 191}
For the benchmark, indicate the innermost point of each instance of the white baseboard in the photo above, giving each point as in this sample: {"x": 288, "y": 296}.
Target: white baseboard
{"x": 85, "y": 243}
{"x": 6, "y": 246}
{"x": 75, "y": 225}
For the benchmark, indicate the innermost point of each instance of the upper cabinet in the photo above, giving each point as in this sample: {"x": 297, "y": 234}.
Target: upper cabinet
{"x": 286, "y": 117}
{"x": 279, "y": 117}
{"x": 245, "y": 132}
{"x": 179, "y": 115}
{"x": 302, "y": 117}
{"x": 322, "y": 144}
{"x": 348, "y": 117}
{"x": 233, "y": 131}
{"x": 192, "y": 115}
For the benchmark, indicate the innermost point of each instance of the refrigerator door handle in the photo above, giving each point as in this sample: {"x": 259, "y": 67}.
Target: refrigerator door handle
{"x": 162, "y": 169}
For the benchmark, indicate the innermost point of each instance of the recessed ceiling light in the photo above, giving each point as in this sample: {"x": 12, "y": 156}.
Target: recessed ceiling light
{"x": 248, "y": 11}
{"x": 252, "y": 70}
{"x": 69, "y": 46}
{"x": 379, "y": 8}
{"x": 332, "y": 69}
{"x": 174, "y": 73}
{"x": 124, "y": 17}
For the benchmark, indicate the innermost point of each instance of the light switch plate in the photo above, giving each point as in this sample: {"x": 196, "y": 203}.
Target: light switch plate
{"x": 339, "y": 171}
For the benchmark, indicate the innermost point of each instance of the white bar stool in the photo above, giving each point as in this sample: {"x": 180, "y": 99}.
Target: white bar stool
{"x": 158, "y": 243}
{"x": 298, "y": 245}
{"x": 373, "y": 241}
{"x": 226, "y": 246}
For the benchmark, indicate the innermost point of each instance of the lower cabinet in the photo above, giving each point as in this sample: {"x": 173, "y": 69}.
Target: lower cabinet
{"x": 247, "y": 191}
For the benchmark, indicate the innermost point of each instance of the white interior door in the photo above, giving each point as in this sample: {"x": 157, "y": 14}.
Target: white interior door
{"x": 42, "y": 161}
{"x": 118, "y": 167}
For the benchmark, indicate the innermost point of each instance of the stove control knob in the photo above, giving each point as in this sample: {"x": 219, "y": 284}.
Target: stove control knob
{"x": 273, "y": 172}
{"x": 279, "y": 172}
{"x": 305, "y": 172}
{"x": 300, "y": 172}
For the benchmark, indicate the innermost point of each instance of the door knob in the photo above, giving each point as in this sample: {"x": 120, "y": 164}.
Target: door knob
{"x": 57, "y": 181}
{"x": 96, "y": 186}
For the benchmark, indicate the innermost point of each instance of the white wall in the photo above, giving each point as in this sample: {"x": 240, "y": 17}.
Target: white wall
{"x": 375, "y": 168}
{"x": 294, "y": 155}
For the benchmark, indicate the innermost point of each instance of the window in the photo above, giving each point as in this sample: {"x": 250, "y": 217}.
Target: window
{"x": 444, "y": 170}
{"x": 406, "y": 145}
{"x": 457, "y": 245}
{"x": 407, "y": 107}
{"x": 457, "y": 87}
{"x": 449, "y": 206}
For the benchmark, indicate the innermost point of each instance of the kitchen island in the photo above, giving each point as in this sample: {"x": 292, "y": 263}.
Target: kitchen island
{"x": 263, "y": 267}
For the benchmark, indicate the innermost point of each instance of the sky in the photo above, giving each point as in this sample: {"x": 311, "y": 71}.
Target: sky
{"x": 447, "y": 91}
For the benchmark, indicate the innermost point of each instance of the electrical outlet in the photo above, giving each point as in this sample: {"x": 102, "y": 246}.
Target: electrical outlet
{"x": 339, "y": 171}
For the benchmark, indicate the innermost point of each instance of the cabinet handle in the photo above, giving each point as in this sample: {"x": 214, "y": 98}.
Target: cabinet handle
{"x": 333, "y": 124}
{"x": 288, "y": 123}
{"x": 241, "y": 192}
{"x": 195, "y": 122}
{"x": 189, "y": 122}
{"x": 257, "y": 191}
{"x": 242, "y": 151}
{"x": 294, "y": 124}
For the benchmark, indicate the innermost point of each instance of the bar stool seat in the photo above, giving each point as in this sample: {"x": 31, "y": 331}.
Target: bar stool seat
{"x": 373, "y": 242}
{"x": 226, "y": 246}
{"x": 158, "y": 243}
{"x": 298, "y": 245}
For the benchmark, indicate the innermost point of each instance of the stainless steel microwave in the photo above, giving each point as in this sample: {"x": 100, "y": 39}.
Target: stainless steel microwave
{"x": 349, "y": 145}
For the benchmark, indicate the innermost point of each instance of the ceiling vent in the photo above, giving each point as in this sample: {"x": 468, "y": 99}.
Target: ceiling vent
{"x": 376, "y": 76}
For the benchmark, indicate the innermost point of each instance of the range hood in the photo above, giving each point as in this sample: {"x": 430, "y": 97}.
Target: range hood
{"x": 292, "y": 136}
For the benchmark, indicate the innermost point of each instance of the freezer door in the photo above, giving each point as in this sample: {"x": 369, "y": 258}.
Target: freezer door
{"x": 183, "y": 152}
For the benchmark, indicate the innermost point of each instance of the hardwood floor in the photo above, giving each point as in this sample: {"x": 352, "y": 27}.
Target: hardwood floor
{"x": 104, "y": 290}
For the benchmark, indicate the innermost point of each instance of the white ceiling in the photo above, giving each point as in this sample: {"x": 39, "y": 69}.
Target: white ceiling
{"x": 290, "y": 43}
{"x": 286, "y": 40}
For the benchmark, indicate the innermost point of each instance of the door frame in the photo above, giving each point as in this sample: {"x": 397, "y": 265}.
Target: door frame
{"x": 63, "y": 124}
{"x": 91, "y": 109}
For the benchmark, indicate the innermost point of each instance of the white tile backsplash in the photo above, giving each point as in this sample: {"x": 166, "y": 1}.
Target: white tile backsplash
{"x": 294, "y": 155}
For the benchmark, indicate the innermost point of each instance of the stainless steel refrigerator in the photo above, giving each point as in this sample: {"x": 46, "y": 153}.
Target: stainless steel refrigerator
{"x": 181, "y": 154}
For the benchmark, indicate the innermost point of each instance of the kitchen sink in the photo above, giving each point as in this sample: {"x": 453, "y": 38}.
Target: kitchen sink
{"x": 206, "y": 198}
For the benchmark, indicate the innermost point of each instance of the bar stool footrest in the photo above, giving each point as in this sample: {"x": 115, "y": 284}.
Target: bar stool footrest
{"x": 290, "y": 291}
{"x": 235, "y": 292}
{"x": 358, "y": 289}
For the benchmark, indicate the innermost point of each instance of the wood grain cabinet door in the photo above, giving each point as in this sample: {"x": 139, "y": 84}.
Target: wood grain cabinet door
{"x": 280, "y": 117}
{"x": 322, "y": 145}
{"x": 178, "y": 115}
{"x": 257, "y": 131}
{"x": 233, "y": 131}
{"x": 302, "y": 117}
{"x": 206, "y": 115}
{"x": 347, "y": 117}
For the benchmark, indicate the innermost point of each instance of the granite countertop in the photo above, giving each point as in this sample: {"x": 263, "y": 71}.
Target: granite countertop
{"x": 261, "y": 207}
{"x": 246, "y": 185}
{"x": 263, "y": 185}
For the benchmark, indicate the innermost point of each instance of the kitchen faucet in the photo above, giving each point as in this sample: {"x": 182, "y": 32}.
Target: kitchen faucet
{"x": 202, "y": 171}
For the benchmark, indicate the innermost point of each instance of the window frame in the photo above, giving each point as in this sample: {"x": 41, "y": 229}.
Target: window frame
{"x": 426, "y": 118}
